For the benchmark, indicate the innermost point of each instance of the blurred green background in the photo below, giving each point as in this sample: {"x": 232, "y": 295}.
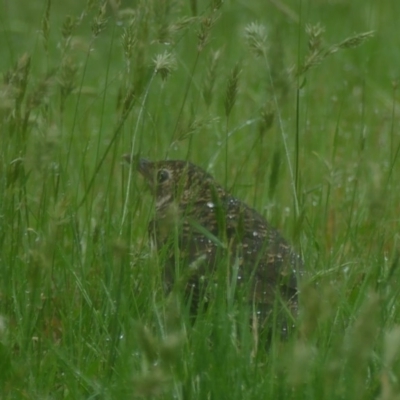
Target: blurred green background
{"x": 293, "y": 105}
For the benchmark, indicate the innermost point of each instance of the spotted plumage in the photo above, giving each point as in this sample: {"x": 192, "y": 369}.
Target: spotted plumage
{"x": 204, "y": 226}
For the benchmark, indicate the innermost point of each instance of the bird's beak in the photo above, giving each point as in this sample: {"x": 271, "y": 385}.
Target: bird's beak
{"x": 141, "y": 164}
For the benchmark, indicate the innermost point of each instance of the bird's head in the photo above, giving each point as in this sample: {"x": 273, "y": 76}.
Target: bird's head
{"x": 178, "y": 181}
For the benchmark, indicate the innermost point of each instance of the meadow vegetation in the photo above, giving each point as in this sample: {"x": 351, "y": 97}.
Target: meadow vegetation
{"x": 293, "y": 105}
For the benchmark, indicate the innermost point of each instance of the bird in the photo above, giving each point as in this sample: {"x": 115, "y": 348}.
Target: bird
{"x": 201, "y": 229}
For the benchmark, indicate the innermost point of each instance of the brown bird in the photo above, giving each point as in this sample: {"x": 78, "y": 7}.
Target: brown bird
{"x": 201, "y": 229}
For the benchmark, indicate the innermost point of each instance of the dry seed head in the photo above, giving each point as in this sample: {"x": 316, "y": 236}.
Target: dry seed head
{"x": 19, "y": 72}
{"x": 167, "y": 32}
{"x": 67, "y": 27}
{"x": 317, "y": 53}
{"x": 162, "y": 11}
{"x": 22, "y": 70}
{"x": 205, "y": 28}
{"x": 256, "y": 37}
{"x": 129, "y": 40}
{"x": 312, "y": 60}
{"x": 18, "y": 76}
{"x": 164, "y": 64}
{"x": 163, "y": 34}
{"x": 356, "y": 40}
{"x": 67, "y": 77}
{"x": 91, "y": 4}
{"x": 100, "y": 21}
{"x": 211, "y": 75}
{"x": 185, "y": 130}
{"x": 46, "y": 25}
{"x": 40, "y": 94}
{"x": 315, "y": 33}
{"x": 231, "y": 90}
{"x": 181, "y": 23}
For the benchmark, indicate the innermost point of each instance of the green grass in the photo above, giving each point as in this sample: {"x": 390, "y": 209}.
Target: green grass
{"x": 82, "y": 309}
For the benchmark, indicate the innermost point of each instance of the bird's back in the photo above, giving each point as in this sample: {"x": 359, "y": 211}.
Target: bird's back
{"x": 225, "y": 232}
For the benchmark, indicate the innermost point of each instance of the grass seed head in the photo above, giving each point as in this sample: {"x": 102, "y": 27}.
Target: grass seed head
{"x": 67, "y": 27}
{"x": 100, "y": 21}
{"x": 46, "y": 25}
{"x": 129, "y": 40}
{"x": 20, "y": 73}
{"x": 356, "y": 40}
{"x": 232, "y": 89}
{"x": 211, "y": 75}
{"x": 164, "y": 64}
{"x": 256, "y": 38}
{"x": 40, "y": 93}
{"x": 318, "y": 53}
{"x": 204, "y": 33}
{"x": 315, "y": 36}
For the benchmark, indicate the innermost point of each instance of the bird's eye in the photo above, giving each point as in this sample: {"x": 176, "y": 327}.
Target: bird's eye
{"x": 162, "y": 175}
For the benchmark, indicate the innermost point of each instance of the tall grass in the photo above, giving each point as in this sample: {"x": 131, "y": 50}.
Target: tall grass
{"x": 289, "y": 106}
